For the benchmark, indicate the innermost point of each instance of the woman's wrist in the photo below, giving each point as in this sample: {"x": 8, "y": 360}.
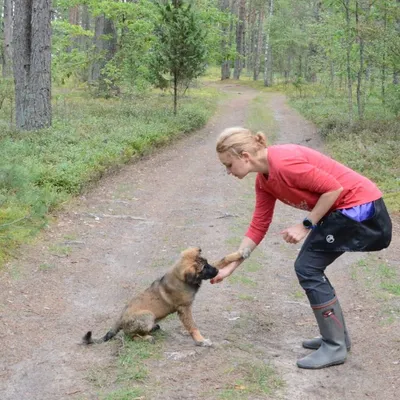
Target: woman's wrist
{"x": 234, "y": 265}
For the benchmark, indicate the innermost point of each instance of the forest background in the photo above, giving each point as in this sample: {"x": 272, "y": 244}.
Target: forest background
{"x": 88, "y": 85}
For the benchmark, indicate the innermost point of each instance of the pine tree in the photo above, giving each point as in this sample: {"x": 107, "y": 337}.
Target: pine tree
{"x": 180, "y": 51}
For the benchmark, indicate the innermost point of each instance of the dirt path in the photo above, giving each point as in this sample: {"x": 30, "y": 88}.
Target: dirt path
{"x": 127, "y": 232}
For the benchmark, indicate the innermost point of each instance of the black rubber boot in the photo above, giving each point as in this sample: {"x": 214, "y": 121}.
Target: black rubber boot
{"x": 315, "y": 343}
{"x": 332, "y": 350}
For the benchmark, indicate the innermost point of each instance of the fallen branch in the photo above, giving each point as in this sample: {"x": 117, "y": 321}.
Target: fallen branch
{"x": 227, "y": 215}
{"x": 114, "y": 216}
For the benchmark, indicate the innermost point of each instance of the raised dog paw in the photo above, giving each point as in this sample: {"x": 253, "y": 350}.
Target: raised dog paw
{"x": 204, "y": 343}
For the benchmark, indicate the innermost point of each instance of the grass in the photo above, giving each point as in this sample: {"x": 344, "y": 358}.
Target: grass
{"x": 46, "y": 267}
{"x": 60, "y": 250}
{"x": 252, "y": 380}
{"x": 131, "y": 360}
{"x": 41, "y": 170}
{"x": 125, "y": 394}
{"x": 131, "y": 372}
{"x": 239, "y": 278}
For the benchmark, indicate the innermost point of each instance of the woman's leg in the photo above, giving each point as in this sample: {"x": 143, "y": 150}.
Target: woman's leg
{"x": 310, "y": 269}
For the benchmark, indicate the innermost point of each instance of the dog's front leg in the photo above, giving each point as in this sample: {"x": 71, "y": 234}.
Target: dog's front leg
{"x": 186, "y": 317}
{"x": 236, "y": 256}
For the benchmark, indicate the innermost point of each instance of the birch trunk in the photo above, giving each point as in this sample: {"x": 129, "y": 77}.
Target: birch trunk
{"x": 267, "y": 80}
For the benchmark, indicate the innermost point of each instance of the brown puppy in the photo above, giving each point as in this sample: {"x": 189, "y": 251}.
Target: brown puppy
{"x": 174, "y": 292}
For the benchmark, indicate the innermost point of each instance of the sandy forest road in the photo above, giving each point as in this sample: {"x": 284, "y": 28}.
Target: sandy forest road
{"x": 127, "y": 232}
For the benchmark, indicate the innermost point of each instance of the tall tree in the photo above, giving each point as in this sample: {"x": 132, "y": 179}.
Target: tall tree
{"x": 267, "y": 51}
{"x": 225, "y": 42}
{"x": 349, "y": 47}
{"x": 7, "y": 44}
{"x": 32, "y": 63}
{"x": 105, "y": 41}
{"x": 258, "y": 43}
{"x": 396, "y": 66}
{"x": 240, "y": 39}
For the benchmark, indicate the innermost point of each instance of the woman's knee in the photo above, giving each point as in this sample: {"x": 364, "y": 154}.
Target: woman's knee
{"x": 302, "y": 270}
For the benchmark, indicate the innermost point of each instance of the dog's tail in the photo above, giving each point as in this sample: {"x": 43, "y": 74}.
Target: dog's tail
{"x": 88, "y": 339}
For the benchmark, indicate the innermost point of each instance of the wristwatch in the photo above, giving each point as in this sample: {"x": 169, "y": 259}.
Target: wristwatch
{"x": 308, "y": 224}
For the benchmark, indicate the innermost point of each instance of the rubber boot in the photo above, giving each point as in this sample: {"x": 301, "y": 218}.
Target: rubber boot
{"x": 315, "y": 343}
{"x": 333, "y": 349}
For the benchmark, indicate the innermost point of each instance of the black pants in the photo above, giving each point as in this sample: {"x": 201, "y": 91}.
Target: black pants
{"x": 334, "y": 235}
{"x": 310, "y": 269}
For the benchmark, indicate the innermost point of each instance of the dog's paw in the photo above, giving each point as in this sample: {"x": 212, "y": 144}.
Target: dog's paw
{"x": 150, "y": 339}
{"x": 245, "y": 252}
{"x": 204, "y": 343}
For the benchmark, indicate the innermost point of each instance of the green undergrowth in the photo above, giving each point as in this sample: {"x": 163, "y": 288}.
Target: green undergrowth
{"x": 89, "y": 137}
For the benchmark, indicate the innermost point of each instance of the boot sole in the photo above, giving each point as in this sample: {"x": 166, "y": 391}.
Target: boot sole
{"x": 316, "y": 348}
{"x": 323, "y": 366}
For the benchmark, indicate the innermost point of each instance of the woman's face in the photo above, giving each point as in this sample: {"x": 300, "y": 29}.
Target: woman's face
{"x": 236, "y": 166}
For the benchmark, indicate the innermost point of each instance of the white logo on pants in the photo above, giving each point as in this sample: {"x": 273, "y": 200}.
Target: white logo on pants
{"x": 330, "y": 239}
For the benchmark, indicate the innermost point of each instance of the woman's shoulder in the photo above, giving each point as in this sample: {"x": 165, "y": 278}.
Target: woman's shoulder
{"x": 285, "y": 152}
{"x": 291, "y": 148}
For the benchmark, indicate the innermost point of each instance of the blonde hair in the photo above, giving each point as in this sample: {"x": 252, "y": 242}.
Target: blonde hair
{"x": 236, "y": 140}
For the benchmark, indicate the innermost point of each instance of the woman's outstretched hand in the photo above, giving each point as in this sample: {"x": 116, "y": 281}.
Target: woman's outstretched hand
{"x": 223, "y": 273}
{"x": 294, "y": 234}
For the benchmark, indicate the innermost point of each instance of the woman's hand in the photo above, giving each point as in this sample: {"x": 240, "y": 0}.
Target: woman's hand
{"x": 294, "y": 234}
{"x": 223, "y": 273}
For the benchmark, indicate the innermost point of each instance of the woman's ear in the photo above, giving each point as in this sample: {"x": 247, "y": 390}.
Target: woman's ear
{"x": 246, "y": 156}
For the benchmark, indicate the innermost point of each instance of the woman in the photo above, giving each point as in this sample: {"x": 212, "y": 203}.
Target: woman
{"x": 345, "y": 213}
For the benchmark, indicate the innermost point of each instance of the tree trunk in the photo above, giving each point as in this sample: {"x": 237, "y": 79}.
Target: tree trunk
{"x": 175, "y": 92}
{"x": 32, "y": 63}
{"x": 257, "y": 52}
{"x": 361, "y": 66}
{"x": 251, "y": 36}
{"x": 332, "y": 75}
{"x": 267, "y": 80}
{"x": 240, "y": 31}
{"x": 225, "y": 65}
{"x": 8, "y": 33}
{"x": 383, "y": 67}
{"x": 105, "y": 48}
{"x": 396, "y": 67}
{"x": 348, "y": 60}
{"x": 74, "y": 15}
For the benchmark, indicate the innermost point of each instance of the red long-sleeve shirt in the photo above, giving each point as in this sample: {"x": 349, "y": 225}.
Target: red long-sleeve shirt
{"x": 298, "y": 176}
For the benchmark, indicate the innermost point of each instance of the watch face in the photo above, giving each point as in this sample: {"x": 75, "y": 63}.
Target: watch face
{"x": 307, "y": 223}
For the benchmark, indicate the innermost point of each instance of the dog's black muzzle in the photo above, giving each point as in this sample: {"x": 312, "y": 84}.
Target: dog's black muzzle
{"x": 208, "y": 272}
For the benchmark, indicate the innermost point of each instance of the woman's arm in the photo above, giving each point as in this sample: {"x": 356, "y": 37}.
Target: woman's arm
{"x": 247, "y": 243}
{"x": 298, "y": 232}
{"x": 262, "y": 217}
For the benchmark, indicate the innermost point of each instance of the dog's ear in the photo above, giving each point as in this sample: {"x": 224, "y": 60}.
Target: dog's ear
{"x": 192, "y": 252}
